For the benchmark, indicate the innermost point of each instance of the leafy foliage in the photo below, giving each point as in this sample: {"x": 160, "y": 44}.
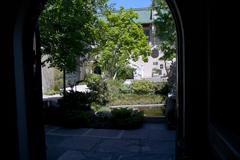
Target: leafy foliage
{"x": 75, "y": 100}
{"x": 76, "y": 118}
{"x": 127, "y": 118}
{"x": 166, "y": 29}
{"x": 135, "y": 99}
{"x": 125, "y": 89}
{"x": 126, "y": 72}
{"x": 66, "y": 29}
{"x": 143, "y": 87}
{"x": 98, "y": 89}
{"x": 75, "y": 110}
{"x": 161, "y": 88}
{"x": 120, "y": 39}
{"x": 172, "y": 80}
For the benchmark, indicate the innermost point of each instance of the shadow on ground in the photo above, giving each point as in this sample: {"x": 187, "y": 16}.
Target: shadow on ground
{"x": 151, "y": 142}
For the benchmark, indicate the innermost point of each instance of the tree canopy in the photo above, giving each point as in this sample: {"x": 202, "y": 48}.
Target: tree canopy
{"x": 120, "y": 39}
{"x": 67, "y": 30}
{"x": 166, "y": 29}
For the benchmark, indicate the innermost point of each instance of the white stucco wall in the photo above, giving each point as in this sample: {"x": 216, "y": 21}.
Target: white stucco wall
{"x": 145, "y": 69}
{"x": 47, "y": 76}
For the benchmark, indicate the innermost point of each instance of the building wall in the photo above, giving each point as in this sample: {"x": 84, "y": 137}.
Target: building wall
{"x": 47, "y": 76}
{"x": 145, "y": 70}
{"x": 154, "y": 68}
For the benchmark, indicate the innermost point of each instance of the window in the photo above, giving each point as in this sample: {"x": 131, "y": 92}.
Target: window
{"x": 155, "y": 63}
{"x": 155, "y": 53}
{"x": 161, "y": 66}
{"x": 147, "y": 33}
{"x": 156, "y": 72}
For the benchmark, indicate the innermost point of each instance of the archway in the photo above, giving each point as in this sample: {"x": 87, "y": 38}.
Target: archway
{"x": 30, "y": 128}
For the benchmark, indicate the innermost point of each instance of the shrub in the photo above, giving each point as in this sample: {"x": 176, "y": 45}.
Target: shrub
{"x": 143, "y": 87}
{"x": 161, "y": 88}
{"x": 114, "y": 86}
{"x": 75, "y": 110}
{"x": 75, "y": 100}
{"x": 51, "y": 115}
{"x": 126, "y": 73}
{"x": 77, "y": 118}
{"x": 104, "y": 109}
{"x": 172, "y": 80}
{"x": 133, "y": 99}
{"x": 95, "y": 106}
{"x": 124, "y": 118}
{"x": 51, "y": 92}
{"x": 58, "y": 80}
{"x": 102, "y": 119}
{"x": 125, "y": 89}
{"x": 98, "y": 89}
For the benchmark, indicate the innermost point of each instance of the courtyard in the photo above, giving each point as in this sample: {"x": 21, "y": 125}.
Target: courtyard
{"x": 153, "y": 141}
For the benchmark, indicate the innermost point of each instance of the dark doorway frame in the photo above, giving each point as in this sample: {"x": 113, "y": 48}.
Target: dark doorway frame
{"x": 193, "y": 67}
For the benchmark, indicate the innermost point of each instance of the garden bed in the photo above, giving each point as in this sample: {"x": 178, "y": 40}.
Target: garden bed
{"x": 148, "y": 109}
{"x": 134, "y": 99}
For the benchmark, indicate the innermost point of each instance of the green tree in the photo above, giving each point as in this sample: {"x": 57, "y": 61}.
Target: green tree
{"x": 166, "y": 30}
{"x": 120, "y": 39}
{"x": 67, "y": 31}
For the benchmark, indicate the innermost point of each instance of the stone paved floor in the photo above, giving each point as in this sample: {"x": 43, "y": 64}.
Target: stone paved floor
{"x": 151, "y": 142}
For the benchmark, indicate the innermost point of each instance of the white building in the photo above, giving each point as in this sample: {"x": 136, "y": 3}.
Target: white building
{"x": 154, "y": 68}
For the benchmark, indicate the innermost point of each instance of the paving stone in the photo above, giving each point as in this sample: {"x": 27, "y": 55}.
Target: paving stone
{"x": 54, "y": 141}
{"x": 160, "y": 147}
{"x": 68, "y": 132}
{"x": 146, "y": 157}
{"x": 49, "y": 128}
{"x": 72, "y": 155}
{"x": 77, "y": 155}
{"x": 160, "y": 126}
{"x": 118, "y": 146}
{"x": 55, "y": 153}
{"x": 135, "y": 134}
{"x": 151, "y": 142}
{"x": 97, "y": 156}
{"x": 162, "y": 135}
{"x": 80, "y": 143}
{"x": 104, "y": 133}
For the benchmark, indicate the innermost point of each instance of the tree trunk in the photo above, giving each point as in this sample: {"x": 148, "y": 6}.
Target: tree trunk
{"x": 64, "y": 81}
{"x": 167, "y": 70}
{"x": 115, "y": 75}
{"x": 112, "y": 67}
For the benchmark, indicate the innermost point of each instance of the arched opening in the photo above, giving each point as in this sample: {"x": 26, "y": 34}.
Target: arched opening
{"x": 55, "y": 131}
{"x": 24, "y": 34}
{"x": 189, "y": 59}
{"x": 26, "y": 78}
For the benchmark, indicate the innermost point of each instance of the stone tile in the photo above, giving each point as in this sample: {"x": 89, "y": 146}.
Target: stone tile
{"x": 135, "y": 134}
{"x": 55, "y": 153}
{"x": 68, "y": 132}
{"x": 72, "y": 155}
{"x": 104, "y": 133}
{"x": 97, "y": 156}
{"x": 49, "y": 128}
{"x": 54, "y": 141}
{"x": 162, "y": 135}
{"x": 158, "y": 126}
{"x": 77, "y": 155}
{"x": 80, "y": 143}
{"x": 160, "y": 147}
{"x": 146, "y": 157}
{"x": 118, "y": 146}
{"x": 151, "y": 142}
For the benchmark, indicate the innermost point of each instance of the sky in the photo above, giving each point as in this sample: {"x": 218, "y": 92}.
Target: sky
{"x": 131, "y": 3}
